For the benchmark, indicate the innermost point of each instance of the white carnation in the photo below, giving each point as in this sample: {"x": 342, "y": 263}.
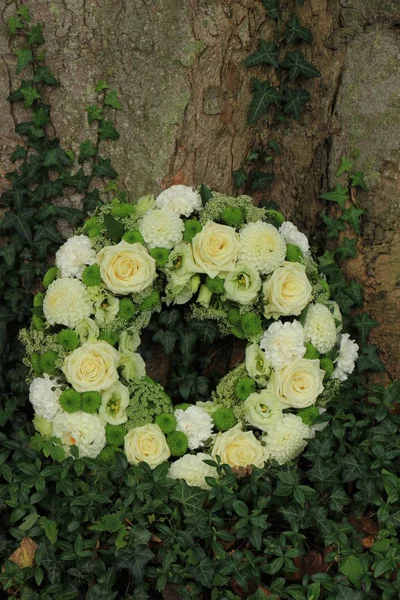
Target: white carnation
{"x": 74, "y": 256}
{"x": 67, "y": 302}
{"x": 161, "y": 228}
{"x": 262, "y": 247}
{"x": 287, "y": 438}
{"x": 292, "y": 235}
{"x": 196, "y": 424}
{"x": 346, "y": 360}
{"x": 193, "y": 469}
{"x": 320, "y": 328}
{"x": 44, "y": 394}
{"x": 182, "y": 199}
{"x": 283, "y": 343}
{"x": 82, "y": 429}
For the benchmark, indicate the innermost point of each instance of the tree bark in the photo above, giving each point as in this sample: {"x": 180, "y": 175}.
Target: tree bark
{"x": 178, "y": 68}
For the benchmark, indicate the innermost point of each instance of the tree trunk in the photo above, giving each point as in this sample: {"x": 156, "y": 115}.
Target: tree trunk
{"x": 178, "y": 68}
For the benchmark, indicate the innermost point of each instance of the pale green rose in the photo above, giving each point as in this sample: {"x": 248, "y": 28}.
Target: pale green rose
{"x": 107, "y": 309}
{"x": 180, "y": 262}
{"x": 257, "y": 364}
{"x": 132, "y": 364}
{"x": 178, "y": 291}
{"x": 242, "y": 284}
{"x": 145, "y": 203}
{"x": 87, "y": 330}
{"x": 43, "y": 426}
{"x": 262, "y": 409}
{"x": 129, "y": 340}
{"x": 113, "y": 405}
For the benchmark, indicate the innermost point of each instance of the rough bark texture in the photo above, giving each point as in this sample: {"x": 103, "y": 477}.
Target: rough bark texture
{"x": 178, "y": 67}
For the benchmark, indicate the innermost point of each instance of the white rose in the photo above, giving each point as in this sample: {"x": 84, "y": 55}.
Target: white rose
{"x": 298, "y": 384}
{"x": 242, "y": 284}
{"x": 287, "y": 292}
{"x": 257, "y": 364}
{"x": 239, "y": 448}
{"x": 215, "y": 249}
{"x": 113, "y": 405}
{"x": 146, "y": 444}
{"x": 262, "y": 409}
{"x": 126, "y": 268}
{"x": 92, "y": 367}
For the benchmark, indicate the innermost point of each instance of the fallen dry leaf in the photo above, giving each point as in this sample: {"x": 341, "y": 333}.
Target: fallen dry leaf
{"x": 24, "y": 555}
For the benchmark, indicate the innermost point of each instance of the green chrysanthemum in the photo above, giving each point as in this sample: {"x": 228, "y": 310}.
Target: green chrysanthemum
{"x": 38, "y": 323}
{"x": 327, "y": 365}
{"x": 133, "y": 237}
{"x": 166, "y": 422}
{"x": 151, "y": 301}
{"x": 90, "y": 401}
{"x": 92, "y": 228}
{"x": 48, "y": 362}
{"x": 234, "y": 316}
{"x": 224, "y": 419}
{"x": 251, "y": 325}
{"x": 178, "y": 443}
{"x": 38, "y": 300}
{"x": 192, "y": 228}
{"x": 293, "y": 253}
{"x": 182, "y": 406}
{"x": 115, "y": 434}
{"x": 91, "y": 275}
{"x": 275, "y": 216}
{"x": 216, "y": 285}
{"x": 160, "y": 255}
{"x": 50, "y": 276}
{"x": 68, "y": 339}
{"x": 311, "y": 351}
{"x": 232, "y": 216}
{"x": 107, "y": 454}
{"x": 125, "y": 209}
{"x": 109, "y": 336}
{"x": 126, "y": 309}
{"x": 70, "y": 401}
{"x": 244, "y": 388}
{"x": 309, "y": 415}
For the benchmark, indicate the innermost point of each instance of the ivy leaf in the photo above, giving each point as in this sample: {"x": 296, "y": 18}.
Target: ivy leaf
{"x": 44, "y": 74}
{"x": 77, "y": 180}
{"x": 114, "y": 228}
{"x": 135, "y": 560}
{"x": 24, "y": 58}
{"x": 167, "y": 339}
{"x": 107, "y": 131}
{"x": 294, "y": 101}
{"x": 19, "y": 152}
{"x": 13, "y": 24}
{"x": 205, "y": 194}
{"x": 352, "y": 567}
{"x": 108, "y": 522}
{"x": 295, "y": 31}
{"x": 111, "y": 99}
{"x": 30, "y": 94}
{"x": 339, "y": 195}
{"x": 334, "y": 226}
{"x": 264, "y": 94}
{"x": 41, "y": 116}
{"x": 355, "y": 291}
{"x": 347, "y": 249}
{"x": 392, "y": 393}
{"x": 86, "y": 150}
{"x": 352, "y": 216}
{"x": 272, "y": 8}
{"x": 239, "y": 177}
{"x": 48, "y": 231}
{"x": 70, "y": 214}
{"x": 261, "y": 180}
{"x": 35, "y": 34}
{"x": 345, "y": 166}
{"x": 56, "y": 158}
{"x": 369, "y": 360}
{"x": 357, "y": 180}
{"x": 103, "y": 168}
{"x": 92, "y": 200}
{"x": 94, "y": 112}
{"x": 297, "y": 66}
{"x": 204, "y": 572}
{"x": 50, "y": 529}
{"x": 20, "y": 222}
{"x": 100, "y": 86}
{"x": 191, "y": 498}
{"x": 267, "y": 53}
{"x": 24, "y": 12}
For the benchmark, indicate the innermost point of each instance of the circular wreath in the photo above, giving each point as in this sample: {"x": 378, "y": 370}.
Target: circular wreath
{"x": 243, "y": 267}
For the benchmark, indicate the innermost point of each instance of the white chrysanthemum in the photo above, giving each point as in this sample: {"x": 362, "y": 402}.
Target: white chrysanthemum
{"x": 287, "y": 438}
{"x": 182, "y": 199}
{"x": 161, "y": 228}
{"x": 44, "y": 394}
{"x": 320, "y": 328}
{"x": 283, "y": 343}
{"x": 67, "y": 302}
{"x": 196, "y": 424}
{"x": 262, "y": 247}
{"x": 346, "y": 360}
{"x": 74, "y": 256}
{"x": 292, "y": 235}
{"x": 81, "y": 429}
{"x": 193, "y": 469}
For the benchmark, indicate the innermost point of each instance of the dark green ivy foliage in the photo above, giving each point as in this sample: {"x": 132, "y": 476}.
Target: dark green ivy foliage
{"x": 323, "y": 528}
{"x": 44, "y": 172}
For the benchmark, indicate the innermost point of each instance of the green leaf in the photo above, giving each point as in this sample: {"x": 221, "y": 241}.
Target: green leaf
{"x": 391, "y": 483}
{"x": 347, "y": 248}
{"x": 87, "y": 151}
{"x": 339, "y": 195}
{"x": 345, "y": 166}
{"x": 334, "y": 226}
{"x": 297, "y": 66}
{"x": 30, "y": 94}
{"x": 355, "y": 291}
{"x": 24, "y": 12}
{"x": 114, "y": 228}
{"x": 20, "y": 222}
{"x": 338, "y": 499}
{"x": 364, "y": 323}
{"x": 13, "y": 24}
{"x": 70, "y": 214}
{"x": 50, "y": 529}
{"x": 56, "y": 158}
{"x": 100, "y": 86}
{"x": 107, "y": 131}
{"x": 239, "y": 177}
{"x": 135, "y": 560}
{"x": 392, "y": 393}
{"x": 352, "y": 215}
{"x": 103, "y": 168}
{"x": 111, "y": 99}
{"x": 109, "y": 522}
{"x": 295, "y": 31}
{"x": 167, "y": 339}
{"x": 357, "y": 180}
{"x": 204, "y": 572}
{"x": 261, "y": 180}
{"x": 369, "y": 360}
{"x": 264, "y": 95}
{"x": 267, "y": 53}
{"x": 78, "y": 180}
{"x": 19, "y": 152}
{"x": 352, "y": 567}
{"x": 35, "y": 34}
{"x": 272, "y": 8}
{"x": 29, "y": 522}
{"x": 24, "y": 58}
{"x": 41, "y": 116}
{"x": 294, "y": 100}
{"x": 205, "y": 193}
{"x": 44, "y": 74}
{"x": 95, "y": 113}
{"x": 191, "y": 498}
